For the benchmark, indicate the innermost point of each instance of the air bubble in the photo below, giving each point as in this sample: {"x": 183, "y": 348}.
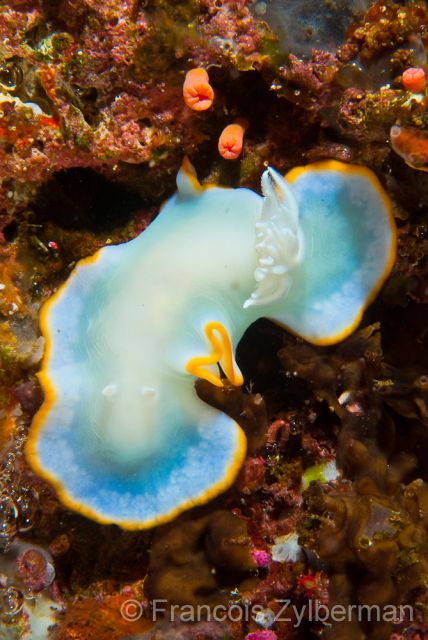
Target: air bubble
{"x": 27, "y": 503}
{"x": 8, "y": 517}
{"x": 11, "y": 602}
{"x": 10, "y": 76}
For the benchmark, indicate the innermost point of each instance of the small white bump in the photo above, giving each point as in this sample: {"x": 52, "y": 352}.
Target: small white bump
{"x": 344, "y": 397}
{"x": 109, "y": 390}
{"x": 266, "y": 261}
{"x": 149, "y": 392}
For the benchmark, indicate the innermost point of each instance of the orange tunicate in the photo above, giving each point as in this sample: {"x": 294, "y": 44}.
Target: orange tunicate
{"x": 414, "y": 79}
{"x": 231, "y": 140}
{"x": 198, "y": 94}
{"x": 412, "y": 145}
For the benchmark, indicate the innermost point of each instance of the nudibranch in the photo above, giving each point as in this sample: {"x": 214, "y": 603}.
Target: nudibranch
{"x": 122, "y": 434}
{"x": 412, "y": 145}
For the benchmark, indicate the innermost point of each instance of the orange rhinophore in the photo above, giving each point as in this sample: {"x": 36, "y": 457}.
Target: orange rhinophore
{"x": 414, "y": 79}
{"x": 231, "y": 140}
{"x": 412, "y": 145}
{"x": 198, "y": 94}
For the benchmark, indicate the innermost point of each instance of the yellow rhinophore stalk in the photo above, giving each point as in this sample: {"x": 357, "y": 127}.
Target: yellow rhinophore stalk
{"x": 221, "y": 354}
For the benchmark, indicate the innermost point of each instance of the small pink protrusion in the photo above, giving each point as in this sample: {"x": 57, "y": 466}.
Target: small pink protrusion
{"x": 260, "y": 557}
{"x": 261, "y": 635}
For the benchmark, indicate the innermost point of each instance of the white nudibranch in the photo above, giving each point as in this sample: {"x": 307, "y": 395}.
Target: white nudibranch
{"x": 122, "y": 435}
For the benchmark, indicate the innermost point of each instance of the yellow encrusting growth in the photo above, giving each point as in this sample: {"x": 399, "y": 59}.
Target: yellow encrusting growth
{"x": 221, "y": 354}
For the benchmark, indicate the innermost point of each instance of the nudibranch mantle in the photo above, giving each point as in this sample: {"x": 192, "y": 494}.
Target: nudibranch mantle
{"x": 121, "y": 434}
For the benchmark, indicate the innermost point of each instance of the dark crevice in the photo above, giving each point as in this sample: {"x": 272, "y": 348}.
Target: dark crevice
{"x": 10, "y": 231}
{"x": 82, "y": 199}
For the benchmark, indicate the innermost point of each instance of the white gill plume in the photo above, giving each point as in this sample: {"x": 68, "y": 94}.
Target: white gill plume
{"x": 279, "y": 241}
